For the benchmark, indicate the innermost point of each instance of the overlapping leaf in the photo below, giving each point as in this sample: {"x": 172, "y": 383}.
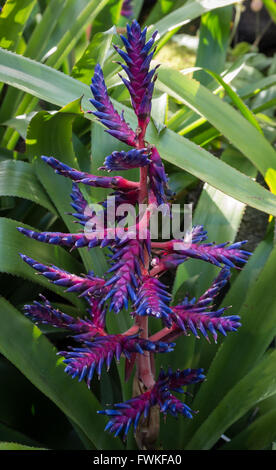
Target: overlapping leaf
{"x": 57, "y": 88}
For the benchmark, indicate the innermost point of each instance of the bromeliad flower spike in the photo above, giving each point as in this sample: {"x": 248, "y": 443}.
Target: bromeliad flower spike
{"x": 127, "y": 8}
{"x": 137, "y": 264}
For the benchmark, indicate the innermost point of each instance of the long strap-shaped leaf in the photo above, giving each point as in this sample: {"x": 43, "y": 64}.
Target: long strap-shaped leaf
{"x": 214, "y": 35}
{"x": 11, "y": 435}
{"x": 258, "y": 318}
{"x": 235, "y": 98}
{"x": 34, "y": 48}
{"x": 221, "y": 215}
{"x": 71, "y": 36}
{"x": 270, "y": 6}
{"x": 12, "y": 22}
{"x": 189, "y": 11}
{"x": 57, "y": 88}
{"x": 73, "y": 19}
{"x": 18, "y": 179}
{"x": 16, "y": 446}
{"x": 257, "y": 436}
{"x": 27, "y": 348}
{"x": 256, "y": 385}
{"x": 221, "y": 115}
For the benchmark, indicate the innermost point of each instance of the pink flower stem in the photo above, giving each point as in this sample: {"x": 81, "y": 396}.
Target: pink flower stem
{"x": 143, "y": 185}
{"x": 167, "y": 334}
{"x": 143, "y": 360}
{"x": 131, "y": 331}
{"x": 162, "y": 245}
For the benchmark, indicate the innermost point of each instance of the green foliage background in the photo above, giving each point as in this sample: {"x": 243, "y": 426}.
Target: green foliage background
{"x": 212, "y": 122}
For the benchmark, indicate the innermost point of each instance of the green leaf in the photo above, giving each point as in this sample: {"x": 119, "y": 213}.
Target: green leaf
{"x": 59, "y": 22}
{"x": 192, "y": 122}
{"x": 221, "y": 215}
{"x": 11, "y": 435}
{"x": 162, "y": 8}
{"x": 249, "y": 274}
{"x": 22, "y": 343}
{"x": 137, "y": 7}
{"x": 16, "y": 446}
{"x": 69, "y": 27}
{"x": 267, "y": 105}
{"x": 179, "y": 182}
{"x": 12, "y": 22}
{"x": 271, "y": 8}
{"x": 185, "y": 116}
{"x": 46, "y": 138}
{"x": 257, "y": 436}
{"x": 187, "y": 13}
{"x": 31, "y": 412}
{"x": 251, "y": 89}
{"x": 258, "y": 384}
{"x": 37, "y": 45}
{"x": 214, "y": 35}
{"x": 71, "y": 36}
{"x": 159, "y": 111}
{"x": 18, "y": 179}
{"x": 96, "y": 52}
{"x": 221, "y": 115}
{"x": 20, "y": 123}
{"x": 108, "y": 17}
{"x": 258, "y": 317}
{"x": 55, "y": 87}
{"x": 42, "y": 33}
{"x": 186, "y": 155}
{"x": 237, "y": 101}
{"x": 6, "y": 154}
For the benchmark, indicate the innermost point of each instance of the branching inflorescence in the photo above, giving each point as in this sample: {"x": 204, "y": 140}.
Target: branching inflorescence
{"x": 136, "y": 261}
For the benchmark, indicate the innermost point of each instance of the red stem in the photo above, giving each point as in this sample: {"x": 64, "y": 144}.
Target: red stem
{"x": 131, "y": 331}
{"x": 167, "y": 334}
{"x": 143, "y": 360}
{"x": 163, "y": 245}
{"x": 156, "y": 270}
{"x": 143, "y": 195}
